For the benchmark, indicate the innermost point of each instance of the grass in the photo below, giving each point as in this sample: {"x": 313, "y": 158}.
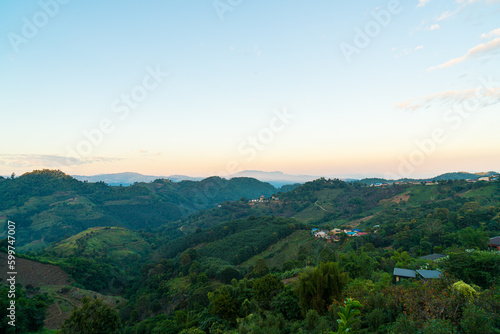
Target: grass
{"x": 485, "y": 192}
{"x": 310, "y": 213}
{"x": 46, "y": 331}
{"x": 178, "y": 285}
{"x": 421, "y": 193}
{"x": 66, "y": 298}
{"x": 34, "y": 246}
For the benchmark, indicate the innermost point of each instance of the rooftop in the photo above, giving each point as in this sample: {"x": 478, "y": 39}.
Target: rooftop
{"x": 429, "y": 273}
{"x": 404, "y": 272}
{"x": 495, "y": 241}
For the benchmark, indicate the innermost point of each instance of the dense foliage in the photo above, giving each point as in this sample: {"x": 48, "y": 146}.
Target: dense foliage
{"x": 50, "y": 205}
{"x": 30, "y": 310}
{"x": 255, "y": 267}
{"x": 92, "y": 317}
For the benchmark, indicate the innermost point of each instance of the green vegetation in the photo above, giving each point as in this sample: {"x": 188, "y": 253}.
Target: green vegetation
{"x": 189, "y": 266}
{"x": 50, "y": 205}
{"x": 30, "y": 311}
{"x": 92, "y": 317}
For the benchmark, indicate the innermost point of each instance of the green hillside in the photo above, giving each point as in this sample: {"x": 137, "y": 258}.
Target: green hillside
{"x": 116, "y": 243}
{"x": 454, "y": 176}
{"x": 48, "y": 205}
{"x": 231, "y": 263}
{"x": 249, "y": 265}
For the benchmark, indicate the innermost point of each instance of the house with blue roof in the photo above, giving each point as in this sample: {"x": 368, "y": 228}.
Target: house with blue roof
{"x": 400, "y": 274}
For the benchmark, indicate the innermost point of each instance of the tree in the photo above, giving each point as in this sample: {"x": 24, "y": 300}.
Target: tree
{"x": 228, "y": 274}
{"x": 439, "y": 326}
{"x": 223, "y": 303}
{"x": 472, "y": 238}
{"x": 287, "y": 303}
{"x": 348, "y": 315}
{"x": 476, "y": 320}
{"x": 480, "y": 268}
{"x": 319, "y": 287}
{"x": 260, "y": 268}
{"x": 30, "y": 312}
{"x": 265, "y": 288}
{"x": 464, "y": 290}
{"x": 403, "y": 324}
{"x": 92, "y": 317}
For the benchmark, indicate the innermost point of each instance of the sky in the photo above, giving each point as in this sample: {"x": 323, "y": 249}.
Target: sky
{"x": 330, "y": 88}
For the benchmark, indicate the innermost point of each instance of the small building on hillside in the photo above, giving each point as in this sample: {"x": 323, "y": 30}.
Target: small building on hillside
{"x": 321, "y": 234}
{"x": 429, "y": 274}
{"x": 495, "y": 243}
{"x": 484, "y": 178}
{"x": 401, "y": 274}
{"x": 336, "y": 230}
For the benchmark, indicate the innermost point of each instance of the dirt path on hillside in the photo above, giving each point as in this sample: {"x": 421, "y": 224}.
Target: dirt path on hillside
{"x": 355, "y": 223}
{"x": 397, "y": 199}
{"x": 322, "y": 208}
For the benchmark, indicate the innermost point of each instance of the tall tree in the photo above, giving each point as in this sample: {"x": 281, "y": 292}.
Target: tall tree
{"x": 319, "y": 287}
{"x": 92, "y": 317}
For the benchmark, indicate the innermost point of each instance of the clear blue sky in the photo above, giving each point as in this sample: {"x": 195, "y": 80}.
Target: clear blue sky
{"x": 333, "y": 88}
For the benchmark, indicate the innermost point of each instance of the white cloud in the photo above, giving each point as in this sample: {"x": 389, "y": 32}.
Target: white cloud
{"x": 422, "y": 3}
{"x": 448, "y": 98}
{"x": 46, "y": 161}
{"x": 467, "y": 2}
{"x": 434, "y": 27}
{"x": 406, "y": 51}
{"x": 449, "y": 13}
{"x": 478, "y": 50}
{"x": 491, "y": 34}
{"x": 461, "y": 5}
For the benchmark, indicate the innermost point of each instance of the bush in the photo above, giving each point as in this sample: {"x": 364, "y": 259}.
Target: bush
{"x": 92, "y": 317}
{"x": 439, "y": 326}
{"x": 476, "y": 320}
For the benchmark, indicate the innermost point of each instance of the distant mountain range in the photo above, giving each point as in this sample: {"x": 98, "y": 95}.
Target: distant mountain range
{"x": 127, "y": 178}
{"x": 49, "y": 204}
{"x": 446, "y": 176}
{"x": 277, "y": 179}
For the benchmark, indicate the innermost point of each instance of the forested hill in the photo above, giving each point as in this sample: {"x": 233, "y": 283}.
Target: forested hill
{"x": 262, "y": 274}
{"x": 336, "y": 202}
{"x": 442, "y": 177}
{"x": 253, "y": 265}
{"x": 48, "y": 204}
